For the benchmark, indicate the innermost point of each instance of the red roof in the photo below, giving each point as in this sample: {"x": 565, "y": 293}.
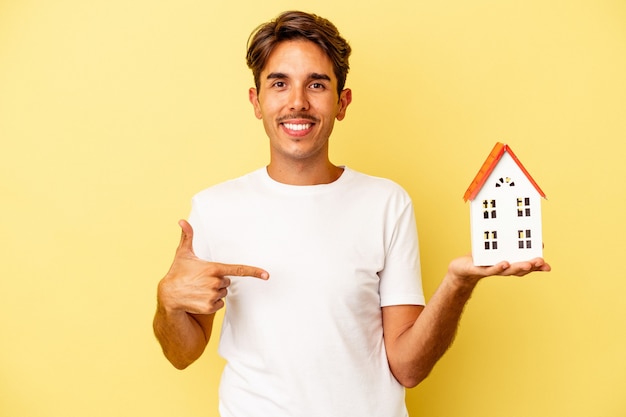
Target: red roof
{"x": 487, "y": 169}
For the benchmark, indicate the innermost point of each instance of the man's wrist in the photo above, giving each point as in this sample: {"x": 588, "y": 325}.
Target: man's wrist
{"x": 460, "y": 282}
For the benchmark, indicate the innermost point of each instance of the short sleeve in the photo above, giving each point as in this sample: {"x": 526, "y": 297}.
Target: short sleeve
{"x": 400, "y": 280}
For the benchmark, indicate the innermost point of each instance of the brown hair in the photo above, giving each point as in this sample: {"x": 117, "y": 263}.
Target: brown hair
{"x": 298, "y": 25}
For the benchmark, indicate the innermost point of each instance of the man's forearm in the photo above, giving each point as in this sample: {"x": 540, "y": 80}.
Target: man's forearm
{"x": 181, "y": 336}
{"x": 416, "y": 339}
{"x": 420, "y": 346}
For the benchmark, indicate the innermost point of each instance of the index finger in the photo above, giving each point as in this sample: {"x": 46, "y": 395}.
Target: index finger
{"x": 241, "y": 271}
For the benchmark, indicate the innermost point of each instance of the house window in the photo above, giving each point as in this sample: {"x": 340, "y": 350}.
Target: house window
{"x": 489, "y": 209}
{"x": 523, "y": 207}
{"x": 523, "y": 239}
{"x": 505, "y": 181}
{"x": 491, "y": 240}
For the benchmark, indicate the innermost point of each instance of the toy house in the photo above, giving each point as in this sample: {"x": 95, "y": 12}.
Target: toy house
{"x": 505, "y": 210}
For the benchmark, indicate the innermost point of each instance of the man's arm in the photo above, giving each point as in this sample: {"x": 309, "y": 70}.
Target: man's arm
{"x": 183, "y": 336}
{"x": 416, "y": 337}
{"x": 187, "y": 299}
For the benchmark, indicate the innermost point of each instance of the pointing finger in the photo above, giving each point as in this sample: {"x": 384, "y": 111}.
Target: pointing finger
{"x": 241, "y": 271}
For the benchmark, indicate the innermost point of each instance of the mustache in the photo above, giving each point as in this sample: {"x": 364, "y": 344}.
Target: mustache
{"x": 298, "y": 115}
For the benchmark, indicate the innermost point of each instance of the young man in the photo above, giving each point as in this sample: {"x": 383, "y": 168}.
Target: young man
{"x": 331, "y": 319}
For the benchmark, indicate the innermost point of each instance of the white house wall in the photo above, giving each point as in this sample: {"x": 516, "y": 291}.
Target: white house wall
{"x": 507, "y": 224}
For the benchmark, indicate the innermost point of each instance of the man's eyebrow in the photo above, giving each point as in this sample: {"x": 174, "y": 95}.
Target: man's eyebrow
{"x": 316, "y": 76}
{"x": 276, "y": 75}
{"x": 312, "y": 76}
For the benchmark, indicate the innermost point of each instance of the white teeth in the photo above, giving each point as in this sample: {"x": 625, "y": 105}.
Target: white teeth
{"x": 293, "y": 126}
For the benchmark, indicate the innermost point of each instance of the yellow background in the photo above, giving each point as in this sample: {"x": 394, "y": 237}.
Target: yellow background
{"x": 113, "y": 113}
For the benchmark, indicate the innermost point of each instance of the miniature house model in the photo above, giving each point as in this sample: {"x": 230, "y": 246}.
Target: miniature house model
{"x": 505, "y": 210}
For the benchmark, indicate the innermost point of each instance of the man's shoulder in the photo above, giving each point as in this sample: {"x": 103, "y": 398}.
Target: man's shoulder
{"x": 376, "y": 183}
{"x": 230, "y": 187}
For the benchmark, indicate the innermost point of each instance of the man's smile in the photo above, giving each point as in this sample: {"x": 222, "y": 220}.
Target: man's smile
{"x": 297, "y": 126}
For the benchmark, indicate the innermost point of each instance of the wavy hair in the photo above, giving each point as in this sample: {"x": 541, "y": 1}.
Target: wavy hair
{"x": 294, "y": 25}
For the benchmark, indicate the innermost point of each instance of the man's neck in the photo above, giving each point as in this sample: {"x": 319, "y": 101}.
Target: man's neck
{"x": 304, "y": 174}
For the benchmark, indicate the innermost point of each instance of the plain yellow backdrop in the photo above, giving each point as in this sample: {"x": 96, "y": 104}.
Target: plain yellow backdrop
{"x": 113, "y": 113}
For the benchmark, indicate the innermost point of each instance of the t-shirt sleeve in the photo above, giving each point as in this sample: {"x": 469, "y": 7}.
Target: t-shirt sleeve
{"x": 401, "y": 280}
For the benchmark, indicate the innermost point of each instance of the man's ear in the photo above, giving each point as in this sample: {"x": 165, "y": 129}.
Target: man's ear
{"x": 345, "y": 98}
{"x": 254, "y": 99}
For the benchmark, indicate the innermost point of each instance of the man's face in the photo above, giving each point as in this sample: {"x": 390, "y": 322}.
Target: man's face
{"x": 298, "y": 101}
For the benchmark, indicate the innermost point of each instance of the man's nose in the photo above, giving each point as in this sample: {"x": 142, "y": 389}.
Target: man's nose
{"x": 298, "y": 100}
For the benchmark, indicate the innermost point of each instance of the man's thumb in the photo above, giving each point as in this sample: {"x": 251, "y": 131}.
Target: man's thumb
{"x": 186, "y": 237}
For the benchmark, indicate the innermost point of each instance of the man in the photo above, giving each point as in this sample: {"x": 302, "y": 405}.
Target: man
{"x": 334, "y": 323}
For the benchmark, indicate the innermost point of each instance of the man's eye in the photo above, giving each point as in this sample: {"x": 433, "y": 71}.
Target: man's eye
{"x": 317, "y": 86}
{"x": 279, "y": 84}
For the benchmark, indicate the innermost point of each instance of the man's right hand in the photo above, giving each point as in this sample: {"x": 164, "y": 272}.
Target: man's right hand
{"x": 196, "y": 286}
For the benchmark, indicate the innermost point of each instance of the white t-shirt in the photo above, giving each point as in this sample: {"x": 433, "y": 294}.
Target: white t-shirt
{"x": 309, "y": 342}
